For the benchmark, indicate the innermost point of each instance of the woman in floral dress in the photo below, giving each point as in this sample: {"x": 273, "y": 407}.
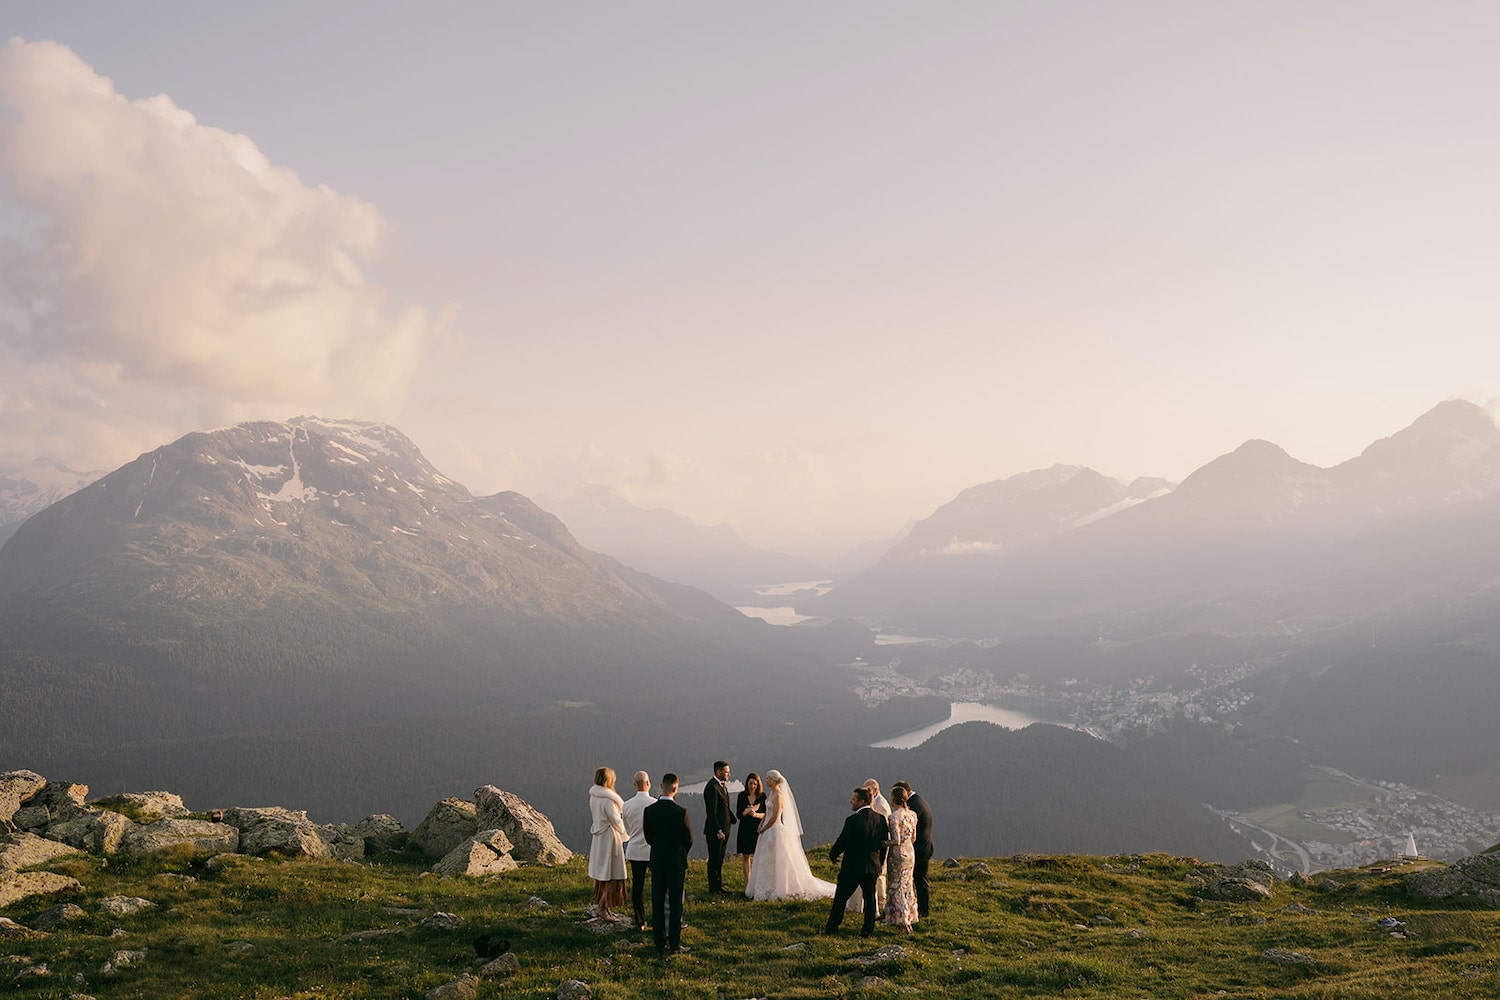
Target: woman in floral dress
{"x": 901, "y": 898}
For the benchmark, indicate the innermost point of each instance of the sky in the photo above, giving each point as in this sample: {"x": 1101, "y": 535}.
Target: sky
{"x": 806, "y": 269}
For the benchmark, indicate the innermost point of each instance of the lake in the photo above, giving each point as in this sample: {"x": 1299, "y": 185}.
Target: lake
{"x": 960, "y": 712}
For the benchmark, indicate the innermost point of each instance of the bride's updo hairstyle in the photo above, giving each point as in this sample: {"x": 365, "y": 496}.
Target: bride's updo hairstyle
{"x": 898, "y": 796}
{"x": 773, "y": 777}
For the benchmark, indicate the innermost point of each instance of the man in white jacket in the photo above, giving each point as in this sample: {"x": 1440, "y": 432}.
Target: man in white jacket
{"x": 637, "y": 851}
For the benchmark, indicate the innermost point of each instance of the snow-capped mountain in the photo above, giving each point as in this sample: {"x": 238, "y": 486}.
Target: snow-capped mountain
{"x": 351, "y": 511}
{"x": 1246, "y": 531}
{"x": 30, "y": 488}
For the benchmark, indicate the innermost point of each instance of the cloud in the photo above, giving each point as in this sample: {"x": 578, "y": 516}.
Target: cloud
{"x": 160, "y": 263}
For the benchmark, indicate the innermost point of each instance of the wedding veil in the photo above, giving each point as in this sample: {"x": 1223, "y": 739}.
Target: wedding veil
{"x": 789, "y": 815}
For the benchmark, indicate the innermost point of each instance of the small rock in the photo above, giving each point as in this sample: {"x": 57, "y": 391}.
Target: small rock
{"x": 34, "y": 971}
{"x": 443, "y": 921}
{"x": 369, "y": 935}
{"x": 506, "y": 965}
{"x": 1136, "y": 933}
{"x": 959, "y": 952}
{"x": 573, "y": 989}
{"x": 1101, "y": 920}
{"x": 465, "y": 987}
{"x": 59, "y": 914}
{"x": 9, "y": 928}
{"x": 124, "y": 906}
{"x": 536, "y": 903}
{"x": 121, "y": 960}
{"x": 796, "y": 946}
{"x": 1298, "y": 879}
{"x": 1391, "y": 923}
{"x": 119, "y": 932}
{"x": 1282, "y": 956}
{"x": 890, "y": 953}
{"x": 16, "y": 886}
{"x": 1296, "y": 908}
{"x": 1028, "y": 945}
{"x": 873, "y": 983}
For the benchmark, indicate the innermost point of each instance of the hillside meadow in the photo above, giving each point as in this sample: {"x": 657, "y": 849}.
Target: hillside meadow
{"x": 1075, "y": 926}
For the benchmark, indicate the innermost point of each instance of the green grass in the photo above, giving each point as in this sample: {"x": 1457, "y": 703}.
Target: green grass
{"x": 1032, "y": 926}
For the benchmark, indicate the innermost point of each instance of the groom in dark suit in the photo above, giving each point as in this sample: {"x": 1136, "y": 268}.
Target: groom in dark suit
{"x": 716, "y": 823}
{"x": 666, "y": 827}
{"x": 862, "y": 845}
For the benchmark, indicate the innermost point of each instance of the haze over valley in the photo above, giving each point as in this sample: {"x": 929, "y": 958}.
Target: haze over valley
{"x": 393, "y": 405}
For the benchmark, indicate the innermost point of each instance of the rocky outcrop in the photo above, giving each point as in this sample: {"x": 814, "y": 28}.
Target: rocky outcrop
{"x": 448, "y": 824}
{"x": 16, "y": 787}
{"x": 1246, "y": 882}
{"x": 98, "y": 830}
{"x": 1477, "y": 876}
{"x": 23, "y": 850}
{"x": 486, "y": 853}
{"x": 65, "y": 822}
{"x": 149, "y": 806}
{"x": 289, "y": 832}
{"x": 380, "y": 833}
{"x": 16, "y": 886}
{"x": 203, "y": 836}
{"x": 529, "y": 831}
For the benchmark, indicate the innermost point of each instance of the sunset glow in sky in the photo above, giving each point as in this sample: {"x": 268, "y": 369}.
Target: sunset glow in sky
{"x": 810, "y": 269}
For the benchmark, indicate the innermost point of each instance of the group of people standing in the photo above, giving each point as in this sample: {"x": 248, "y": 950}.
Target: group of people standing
{"x": 883, "y": 850}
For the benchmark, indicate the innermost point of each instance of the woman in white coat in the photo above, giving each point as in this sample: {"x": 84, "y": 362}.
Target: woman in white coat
{"x": 607, "y": 849}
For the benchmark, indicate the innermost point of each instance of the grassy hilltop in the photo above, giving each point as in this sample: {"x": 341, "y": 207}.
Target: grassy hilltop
{"x": 1082, "y": 927}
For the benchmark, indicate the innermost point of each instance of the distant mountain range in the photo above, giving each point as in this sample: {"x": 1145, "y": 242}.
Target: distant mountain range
{"x": 34, "y": 487}
{"x": 668, "y": 545}
{"x": 1254, "y": 542}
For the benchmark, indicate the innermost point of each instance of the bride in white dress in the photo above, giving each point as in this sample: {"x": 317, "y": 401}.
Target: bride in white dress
{"x": 781, "y": 870}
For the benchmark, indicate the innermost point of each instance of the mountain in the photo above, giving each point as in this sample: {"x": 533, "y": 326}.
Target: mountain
{"x": 673, "y": 547}
{"x": 261, "y": 596}
{"x": 965, "y": 542}
{"x": 1234, "y": 546}
{"x": 26, "y": 490}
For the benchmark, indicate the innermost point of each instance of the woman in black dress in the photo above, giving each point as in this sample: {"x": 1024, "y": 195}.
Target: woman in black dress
{"x": 751, "y": 809}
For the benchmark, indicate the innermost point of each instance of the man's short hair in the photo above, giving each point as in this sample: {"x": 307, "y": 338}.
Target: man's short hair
{"x": 642, "y": 780}
{"x": 719, "y": 765}
{"x": 669, "y": 782}
{"x": 863, "y": 794}
{"x": 903, "y": 784}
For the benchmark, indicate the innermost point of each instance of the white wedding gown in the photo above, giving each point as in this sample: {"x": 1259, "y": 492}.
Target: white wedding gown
{"x": 780, "y": 869}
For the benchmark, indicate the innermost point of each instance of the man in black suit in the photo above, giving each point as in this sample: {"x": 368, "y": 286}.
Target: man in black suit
{"x": 919, "y": 883}
{"x": 862, "y": 845}
{"x": 716, "y": 824}
{"x": 666, "y": 827}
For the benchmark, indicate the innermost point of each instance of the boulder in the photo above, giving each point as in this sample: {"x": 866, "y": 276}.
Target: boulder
{"x": 448, "y": 824}
{"x": 16, "y": 886}
{"x": 204, "y": 837}
{"x": 31, "y": 818}
{"x": 152, "y": 805}
{"x": 54, "y": 916}
{"x": 1234, "y": 889}
{"x": 505, "y": 965}
{"x": 465, "y": 987}
{"x": 97, "y": 830}
{"x": 1477, "y": 876}
{"x": 528, "y": 829}
{"x": 15, "y": 788}
{"x": 10, "y": 929}
{"x": 124, "y": 906}
{"x": 486, "y": 853}
{"x": 61, "y": 798}
{"x": 23, "y": 850}
{"x": 276, "y": 830}
{"x": 380, "y": 833}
